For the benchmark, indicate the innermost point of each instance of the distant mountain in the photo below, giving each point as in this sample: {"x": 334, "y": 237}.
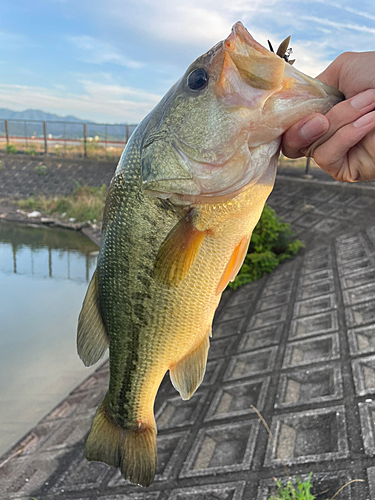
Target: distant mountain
{"x": 36, "y": 114}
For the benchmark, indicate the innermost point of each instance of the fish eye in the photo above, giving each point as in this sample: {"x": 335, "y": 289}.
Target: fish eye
{"x": 198, "y": 79}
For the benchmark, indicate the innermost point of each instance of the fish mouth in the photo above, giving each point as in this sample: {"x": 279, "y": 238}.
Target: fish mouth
{"x": 251, "y": 74}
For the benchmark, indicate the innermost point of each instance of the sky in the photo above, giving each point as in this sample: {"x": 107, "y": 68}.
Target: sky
{"x": 111, "y": 61}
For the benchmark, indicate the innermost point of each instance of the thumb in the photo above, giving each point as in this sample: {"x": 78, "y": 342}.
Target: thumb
{"x": 303, "y": 133}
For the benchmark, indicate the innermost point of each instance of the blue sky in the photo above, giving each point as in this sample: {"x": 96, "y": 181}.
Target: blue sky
{"x": 112, "y": 60}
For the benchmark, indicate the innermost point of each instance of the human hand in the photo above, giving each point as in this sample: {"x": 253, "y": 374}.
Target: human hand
{"x": 343, "y": 141}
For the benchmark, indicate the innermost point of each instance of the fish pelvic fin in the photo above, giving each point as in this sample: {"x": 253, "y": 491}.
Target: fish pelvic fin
{"x": 179, "y": 250}
{"x": 132, "y": 450}
{"x": 92, "y": 339}
{"x": 187, "y": 374}
{"x": 234, "y": 264}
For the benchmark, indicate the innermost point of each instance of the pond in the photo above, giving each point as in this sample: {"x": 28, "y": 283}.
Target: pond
{"x": 43, "y": 279}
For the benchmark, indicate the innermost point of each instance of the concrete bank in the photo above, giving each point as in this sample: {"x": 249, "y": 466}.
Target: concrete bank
{"x": 298, "y": 344}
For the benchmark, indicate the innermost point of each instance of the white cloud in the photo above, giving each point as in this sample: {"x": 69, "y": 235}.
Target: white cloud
{"x": 95, "y": 51}
{"x": 335, "y": 24}
{"x": 99, "y": 102}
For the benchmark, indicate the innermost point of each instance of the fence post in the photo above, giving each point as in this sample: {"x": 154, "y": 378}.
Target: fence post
{"x": 84, "y": 140}
{"x": 127, "y": 132}
{"x": 6, "y": 133}
{"x": 307, "y": 168}
{"x": 45, "y": 137}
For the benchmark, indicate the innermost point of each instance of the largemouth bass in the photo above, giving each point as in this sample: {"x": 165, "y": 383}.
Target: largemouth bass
{"x": 186, "y": 195}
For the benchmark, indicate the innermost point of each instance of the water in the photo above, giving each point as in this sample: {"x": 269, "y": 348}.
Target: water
{"x": 43, "y": 278}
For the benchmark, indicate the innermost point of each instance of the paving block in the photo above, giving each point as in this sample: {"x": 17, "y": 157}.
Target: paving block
{"x": 221, "y": 449}
{"x": 246, "y": 293}
{"x": 70, "y": 432}
{"x": 250, "y": 364}
{"x": 317, "y": 350}
{"x": 355, "y": 266}
{"x": 321, "y": 263}
{"x": 362, "y": 277}
{"x": 314, "y": 305}
{"x": 236, "y": 399}
{"x": 371, "y": 482}
{"x": 222, "y": 491}
{"x": 309, "y": 220}
{"x": 267, "y": 317}
{"x": 315, "y": 289}
{"x": 367, "y": 414}
{"x": 307, "y": 386}
{"x": 310, "y": 436}
{"x": 364, "y": 375}
{"x": 80, "y": 475}
{"x": 357, "y": 253}
{"x": 371, "y": 234}
{"x": 361, "y": 340}
{"x": 130, "y": 496}
{"x": 315, "y": 277}
{"x": 220, "y": 348}
{"x": 271, "y": 301}
{"x": 227, "y": 328}
{"x": 237, "y": 311}
{"x": 360, "y": 314}
{"x": 359, "y": 294}
{"x": 212, "y": 371}
{"x": 280, "y": 287}
{"x": 175, "y": 412}
{"x": 279, "y": 276}
{"x": 316, "y": 324}
{"x": 261, "y": 337}
{"x": 26, "y": 474}
{"x": 324, "y": 485}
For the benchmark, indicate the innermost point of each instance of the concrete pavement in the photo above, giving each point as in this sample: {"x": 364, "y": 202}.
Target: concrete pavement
{"x": 298, "y": 344}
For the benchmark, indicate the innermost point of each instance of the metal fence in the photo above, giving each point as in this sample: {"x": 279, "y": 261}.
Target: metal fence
{"x": 63, "y": 138}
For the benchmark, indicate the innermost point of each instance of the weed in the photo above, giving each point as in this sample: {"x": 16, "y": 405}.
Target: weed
{"x": 2, "y": 166}
{"x": 10, "y": 149}
{"x": 272, "y": 242}
{"x": 41, "y": 170}
{"x": 85, "y": 203}
{"x": 31, "y": 151}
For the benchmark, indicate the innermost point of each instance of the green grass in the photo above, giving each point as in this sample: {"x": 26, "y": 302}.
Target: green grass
{"x": 84, "y": 204}
{"x": 272, "y": 242}
{"x": 289, "y": 492}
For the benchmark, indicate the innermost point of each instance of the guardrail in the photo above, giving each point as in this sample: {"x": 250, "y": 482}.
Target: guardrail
{"x": 64, "y": 138}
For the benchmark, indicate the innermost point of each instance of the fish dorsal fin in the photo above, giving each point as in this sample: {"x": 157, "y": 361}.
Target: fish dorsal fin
{"x": 178, "y": 251}
{"x": 234, "y": 264}
{"x": 92, "y": 339}
{"x": 188, "y": 373}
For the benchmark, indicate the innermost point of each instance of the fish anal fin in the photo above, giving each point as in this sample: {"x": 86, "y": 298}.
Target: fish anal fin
{"x": 92, "y": 339}
{"x": 188, "y": 373}
{"x": 179, "y": 251}
{"x": 132, "y": 450}
{"x": 234, "y": 264}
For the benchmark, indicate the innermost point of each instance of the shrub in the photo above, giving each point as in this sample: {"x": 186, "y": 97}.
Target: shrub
{"x": 272, "y": 242}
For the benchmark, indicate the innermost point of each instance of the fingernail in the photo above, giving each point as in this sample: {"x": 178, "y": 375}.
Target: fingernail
{"x": 313, "y": 128}
{"x": 363, "y": 100}
{"x": 364, "y": 120}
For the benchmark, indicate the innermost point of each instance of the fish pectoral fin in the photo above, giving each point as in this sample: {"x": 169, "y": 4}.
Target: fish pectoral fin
{"x": 132, "y": 450}
{"x": 187, "y": 374}
{"x": 179, "y": 250}
{"x": 234, "y": 264}
{"x": 92, "y": 338}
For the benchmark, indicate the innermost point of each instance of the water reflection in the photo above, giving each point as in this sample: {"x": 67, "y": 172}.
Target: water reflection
{"x": 46, "y": 253}
{"x": 43, "y": 279}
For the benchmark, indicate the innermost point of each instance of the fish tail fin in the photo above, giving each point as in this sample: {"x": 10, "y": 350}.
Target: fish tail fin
{"x": 132, "y": 450}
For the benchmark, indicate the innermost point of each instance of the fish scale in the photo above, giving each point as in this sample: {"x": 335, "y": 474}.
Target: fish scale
{"x": 186, "y": 196}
